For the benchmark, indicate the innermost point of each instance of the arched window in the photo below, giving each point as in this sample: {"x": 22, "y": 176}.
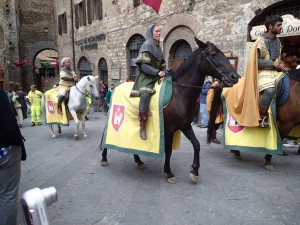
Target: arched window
{"x": 84, "y": 67}
{"x": 179, "y": 52}
{"x": 134, "y": 45}
{"x": 102, "y": 68}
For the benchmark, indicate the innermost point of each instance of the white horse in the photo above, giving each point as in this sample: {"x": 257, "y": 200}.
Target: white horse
{"x": 77, "y": 102}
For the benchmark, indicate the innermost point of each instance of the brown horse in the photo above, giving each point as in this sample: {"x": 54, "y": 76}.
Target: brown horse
{"x": 180, "y": 112}
{"x": 287, "y": 115}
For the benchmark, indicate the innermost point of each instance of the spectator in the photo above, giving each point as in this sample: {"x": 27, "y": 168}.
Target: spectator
{"x": 108, "y": 97}
{"x": 203, "y": 94}
{"x": 12, "y": 151}
{"x": 35, "y": 98}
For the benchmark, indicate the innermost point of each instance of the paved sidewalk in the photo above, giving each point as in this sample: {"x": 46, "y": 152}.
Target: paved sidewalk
{"x": 229, "y": 191}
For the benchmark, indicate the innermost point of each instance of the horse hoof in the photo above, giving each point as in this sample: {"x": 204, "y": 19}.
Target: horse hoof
{"x": 59, "y": 131}
{"x": 104, "y": 163}
{"x": 237, "y": 156}
{"x": 172, "y": 180}
{"x": 85, "y": 136}
{"x": 268, "y": 167}
{"x": 194, "y": 178}
{"x": 53, "y": 136}
{"x": 142, "y": 166}
{"x": 76, "y": 137}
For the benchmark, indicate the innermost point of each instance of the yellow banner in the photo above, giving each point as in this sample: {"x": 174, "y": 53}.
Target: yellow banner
{"x": 122, "y": 128}
{"x": 266, "y": 140}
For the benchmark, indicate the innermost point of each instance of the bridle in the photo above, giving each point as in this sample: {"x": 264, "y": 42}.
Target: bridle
{"x": 86, "y": 95}
{"x": 206, "y": 58}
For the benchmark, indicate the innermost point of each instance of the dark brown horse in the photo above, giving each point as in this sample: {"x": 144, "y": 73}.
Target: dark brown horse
{"x": 181, "y": 110}
{"x": 287, "y": 115}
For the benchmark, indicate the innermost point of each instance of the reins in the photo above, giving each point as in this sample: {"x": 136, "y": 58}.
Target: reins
{"x": 86, "y": 95}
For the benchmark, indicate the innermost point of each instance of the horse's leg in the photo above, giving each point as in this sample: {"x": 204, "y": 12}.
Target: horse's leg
{"x": 168, "y": 152}
{"x": 83, "y": 126}
{"x": 189, "y": 133}
{"x": 141, "y": 165}
{"x": 77, "y": 122}
{"x": 104, "y": 162}
{"x": 52, "y": 131}
{"x": 59, "y": 128}
{"x": 268, "y": 165}
{"x": 237, "y": 154}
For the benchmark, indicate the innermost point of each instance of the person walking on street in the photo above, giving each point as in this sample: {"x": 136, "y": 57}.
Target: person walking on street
{"x": 151, "y": 66}
{"x": 219, "y": 114}
{"x": 12, "y": 151}
{"x": 35, "y": 99}
{"x": 203, "y": 109}
{"x": 108, "y": 97}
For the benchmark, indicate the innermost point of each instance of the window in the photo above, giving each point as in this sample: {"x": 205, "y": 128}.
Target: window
{"x": 94, "y": 10}
{"x": 134, "y": 46}
{"x": 62, "y": 24}
{"x": 136, "y": 3}
{"x": 80, "y": 14}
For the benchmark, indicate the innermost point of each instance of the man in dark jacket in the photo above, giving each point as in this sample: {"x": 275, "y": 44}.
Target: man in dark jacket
{"x": 12, "y": 151}
{"x": 203, "y": 94}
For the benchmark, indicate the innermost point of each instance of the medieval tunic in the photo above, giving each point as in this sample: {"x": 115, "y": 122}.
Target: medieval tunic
{"x": 150, "y": 61}
{"x": 147, "y": 76}
{"x": 64, "y": 85}
{"x": 268, "y": 52}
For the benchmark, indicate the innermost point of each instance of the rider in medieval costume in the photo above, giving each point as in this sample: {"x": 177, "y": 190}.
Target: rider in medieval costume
{"x": 151, "y": 65}
{"x": 250, "y": 107}
{"x": 67, "y": 80}
{"x": 269, "y": 65}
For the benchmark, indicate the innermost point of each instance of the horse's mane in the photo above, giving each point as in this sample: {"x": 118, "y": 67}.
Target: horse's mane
{"x": 186, "y": 65}
{"x": 294, "y": 74}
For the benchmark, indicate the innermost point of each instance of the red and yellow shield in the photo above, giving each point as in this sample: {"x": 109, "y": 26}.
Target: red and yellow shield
{"x": 117, "y": 118}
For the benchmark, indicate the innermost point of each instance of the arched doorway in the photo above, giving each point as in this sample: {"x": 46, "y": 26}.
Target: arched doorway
{"x": 102, "y": 68}
{"x": 46, "y": 69}
{"x": 290, "y": 36}
{"x": 84, "y": 67}
{"x": 179, "y": 52}
{"x": 133, "y": 46}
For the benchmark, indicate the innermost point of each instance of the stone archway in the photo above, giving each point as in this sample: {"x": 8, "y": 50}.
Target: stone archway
{"x": 179, "y": 52}
{"x": 103, "y": 71}
{"x": 46, "y": 69}
{"x": 84, "y": 67}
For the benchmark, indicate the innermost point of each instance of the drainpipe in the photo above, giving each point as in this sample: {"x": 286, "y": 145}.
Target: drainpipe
{"x": 72, "y": 32}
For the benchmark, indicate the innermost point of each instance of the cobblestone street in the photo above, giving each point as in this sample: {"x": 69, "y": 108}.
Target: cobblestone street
{"x": 229, "y": 191}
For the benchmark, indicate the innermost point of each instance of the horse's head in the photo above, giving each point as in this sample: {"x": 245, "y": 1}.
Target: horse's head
{"x": 217, "y": 64}
{"x": 91, "y": 86}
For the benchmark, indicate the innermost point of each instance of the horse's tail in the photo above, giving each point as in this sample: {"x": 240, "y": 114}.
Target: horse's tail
{"x": 101, "y": 142}
{"x": 216, "y": 103}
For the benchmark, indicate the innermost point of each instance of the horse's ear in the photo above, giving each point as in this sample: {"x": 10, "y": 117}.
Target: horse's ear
{"x": 200, "y": 43}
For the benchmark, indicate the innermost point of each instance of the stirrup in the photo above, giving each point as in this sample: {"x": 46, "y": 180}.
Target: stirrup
{"x": 263, "y": 123}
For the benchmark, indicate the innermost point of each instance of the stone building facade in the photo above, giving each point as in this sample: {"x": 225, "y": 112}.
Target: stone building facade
{"x": 27, "y": 27}
{"x": 103, "y": 36}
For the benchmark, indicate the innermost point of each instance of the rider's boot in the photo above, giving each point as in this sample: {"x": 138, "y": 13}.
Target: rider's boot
{"x": 264, "y": 118}
{"x": 143, "y": 122}
{"x": 60, "y": 100}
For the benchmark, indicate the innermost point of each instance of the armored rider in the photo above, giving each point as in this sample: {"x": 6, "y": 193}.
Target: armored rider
{"x": 151, "y": 65}
{"x": 67, "y": 80}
